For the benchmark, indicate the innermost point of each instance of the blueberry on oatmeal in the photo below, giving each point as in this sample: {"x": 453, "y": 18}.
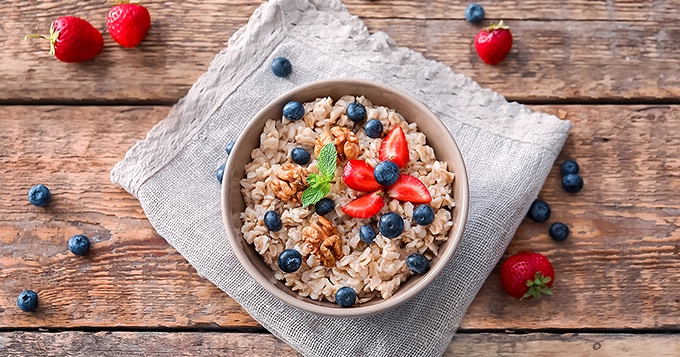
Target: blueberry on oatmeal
{"x": 386, "y": 173}
{"x": 391, "y": 225}
{"x": 373, "y": 128}
{"x": 324, "y": 206}
{"x": 293, "y": 111}
{"x": 356, "y": 111}
{"x": 367, "y": 234}
{"x": 423, "y": 215}
{"x": 39, "y": 195}
{"x": 281, "y": 67}
{"x": 290, "y": 260}
{"x": 418, "y": 263}
{"x": 345, "y": 296}
{"x": 300, "y": 156}
{"x": 273, "y": 221}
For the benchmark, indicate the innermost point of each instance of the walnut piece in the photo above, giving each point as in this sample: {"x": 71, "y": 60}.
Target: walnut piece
{"x": 324, "y": 241}
{"x": 346, "y": 143}
{"x": 289, "y": 182}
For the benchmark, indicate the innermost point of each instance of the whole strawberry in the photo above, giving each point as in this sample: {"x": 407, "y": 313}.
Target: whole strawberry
{"x": 493, "y": 43}
{"x": 128, "y": 23}
{"x": 73, "y": 39}
{"x": 526, "y": 275}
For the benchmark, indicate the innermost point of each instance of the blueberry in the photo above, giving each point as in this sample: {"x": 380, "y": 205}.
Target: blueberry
{"x": 300, "y": 156}
{"x": 220, "y": 173}
{"x": 572, "y": 183}
{"x": 273, "y": 221}
{"x": 569, "y": 167}
{"x": 39, "y": 195}
{"x": 230, "y": 146}
{"x": 373, "y": 128}
{"x": 27, "y": 300}
{"x": 367, "y": 234}
{"x": 474, "y": 13}
{"x": 78, "y": 244}
{"x": 558, "y": 231}
{"x": 386, "y": 173}
{"x": 418, "y": 263}
{"x": 293, "y": 111}
{"x": 345, "y": 296}
{"x": 539, "y": 211}
{"x": 290, "y": 260}
{"x": 423, "y": 215}
{"x": 391, "y": 225}
{"x": 356, "y": 111}
{"x": 324, "y": 206}
{"x": 281, "y": 67}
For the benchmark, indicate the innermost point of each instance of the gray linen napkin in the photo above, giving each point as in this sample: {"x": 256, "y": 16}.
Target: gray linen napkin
{"x": 507, "y": 148}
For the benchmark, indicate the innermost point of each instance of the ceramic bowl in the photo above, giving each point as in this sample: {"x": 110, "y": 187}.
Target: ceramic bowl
{"x": 438, "y": 137}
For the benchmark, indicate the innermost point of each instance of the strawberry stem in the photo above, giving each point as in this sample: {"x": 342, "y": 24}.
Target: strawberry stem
{"x": 52, "y": 37}
{"x": 538, "y": 286}
{"x": 499, "y": 26}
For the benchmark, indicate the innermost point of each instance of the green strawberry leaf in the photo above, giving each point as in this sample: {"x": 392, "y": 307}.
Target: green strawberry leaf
{"x": 328, "y": 161}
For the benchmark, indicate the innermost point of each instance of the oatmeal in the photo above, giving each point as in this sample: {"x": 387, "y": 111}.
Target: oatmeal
{"x": 382, "y": 204}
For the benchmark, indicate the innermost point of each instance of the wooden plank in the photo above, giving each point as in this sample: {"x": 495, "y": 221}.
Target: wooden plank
{"x": 563, "y": 53}
{"x": 208, "y": 344}
{"x": 619, "y": 269}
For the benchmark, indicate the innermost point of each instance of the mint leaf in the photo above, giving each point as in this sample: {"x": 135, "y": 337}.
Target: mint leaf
{"x": 328, "y": 161}
{"x": 312, "y": 195}
{"x": 325, "y": 189}
{"x": 313, "y": 180}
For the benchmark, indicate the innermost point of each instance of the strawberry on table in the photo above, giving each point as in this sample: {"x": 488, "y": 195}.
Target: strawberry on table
{"x": 410, "y": 189}
{"x": 366, "y": 206}
{"x": 128, "y": 23}
{"x": 493, "y": 43}
{"x": 395, "y": 147}
{"x": 526, "y": 275}
{"x": 358, "y": 175}
{"x": 73, "y": 39}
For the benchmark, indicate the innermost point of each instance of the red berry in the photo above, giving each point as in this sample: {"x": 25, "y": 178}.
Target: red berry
{"x": 73, "y": 39}
{"x": 526, "y": 275}
{"x": 128, "y": 24}
{"x": 493, "y": 43}
{"x": 394, "y": 147}
{"x": 409, "y": 188}
{"x": 358, "y": 175}
{"x": 366, "y": 206}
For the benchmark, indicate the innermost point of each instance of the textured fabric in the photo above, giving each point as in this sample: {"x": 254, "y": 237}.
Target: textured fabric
{"x": 508, "y": 149}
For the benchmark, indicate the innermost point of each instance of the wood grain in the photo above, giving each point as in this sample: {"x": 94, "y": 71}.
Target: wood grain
{"x": 619, "y": 269}
{"x": 569, "y": 49}
{"x": 209, "y": 344}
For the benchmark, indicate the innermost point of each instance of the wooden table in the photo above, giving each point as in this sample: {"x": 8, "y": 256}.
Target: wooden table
{"x": 611, "y": 67}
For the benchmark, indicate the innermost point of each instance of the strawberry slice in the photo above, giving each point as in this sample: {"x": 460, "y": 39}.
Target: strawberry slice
{"x": 394, "y": 147}
{"x": 366, "y": 206}
{"x": 358, "y": 175}
{"x": 409, "y": 188}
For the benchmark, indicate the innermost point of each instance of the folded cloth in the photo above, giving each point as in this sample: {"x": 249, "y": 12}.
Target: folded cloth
{"x": 507, "y": 148}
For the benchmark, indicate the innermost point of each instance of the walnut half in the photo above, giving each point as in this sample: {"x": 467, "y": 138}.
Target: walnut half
{"x": 289, "y": 182}
{"x": 324, "y": 241}
{"x": 346, "y": 143}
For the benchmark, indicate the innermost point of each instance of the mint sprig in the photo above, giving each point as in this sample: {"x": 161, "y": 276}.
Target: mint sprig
{"x": 320, "y": 184}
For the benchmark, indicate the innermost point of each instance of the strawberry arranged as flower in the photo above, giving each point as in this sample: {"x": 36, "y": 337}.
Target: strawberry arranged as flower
{"x": 394, "y": 147}
{"x": 358, "y": 175}
{"x": 493, "y": 43}
{"x": 73, "y": 39}
{"x": 365, "y": 206}
{"x": 526, "y": 275}
{"x": 128, "y": 23}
